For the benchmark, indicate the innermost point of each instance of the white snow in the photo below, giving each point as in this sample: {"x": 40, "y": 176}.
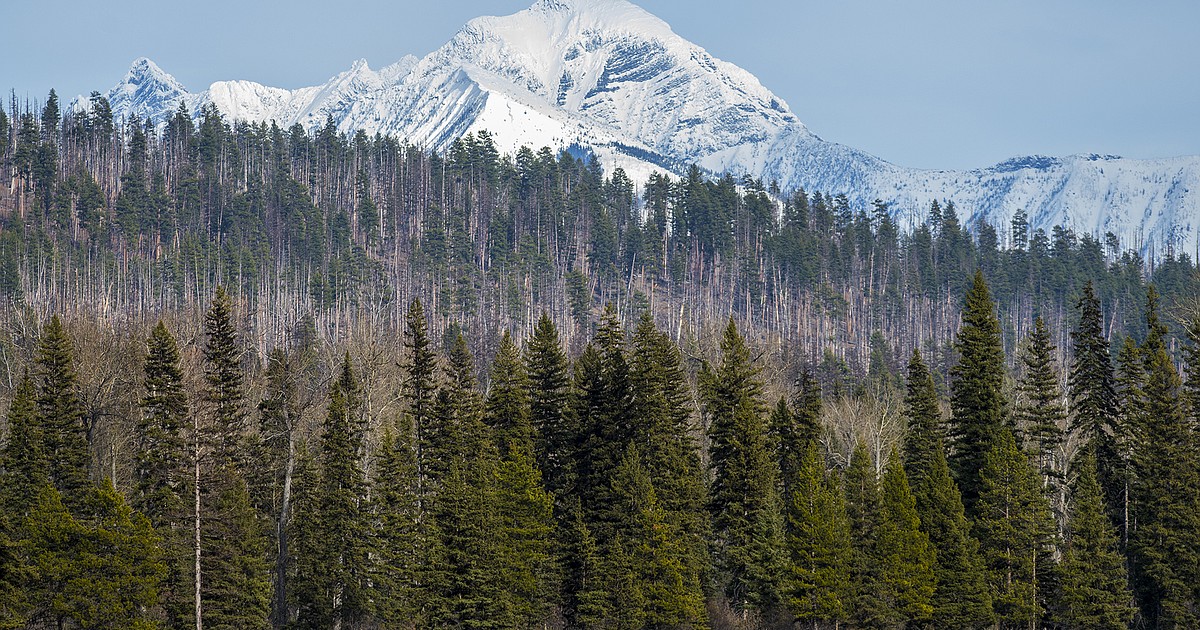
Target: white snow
{"x": 607, "y": 74}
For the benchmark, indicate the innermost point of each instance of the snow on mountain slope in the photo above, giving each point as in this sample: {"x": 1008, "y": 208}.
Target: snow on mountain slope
{"x": 609, "y": 75}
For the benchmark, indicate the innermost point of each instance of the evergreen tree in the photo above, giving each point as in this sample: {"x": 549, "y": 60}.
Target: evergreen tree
{"x": 60, "y": 415}
{"x": 161, "y": 475}
{"x": 525, "y": 563}
{"x": 1041, "y": 413}
{"x": 235, "y": 585}
{"x": 795, "y": 427}
{"x": 817, "y": 586}
{"x": 1015, "y": 531}
{"x": 98, "y": 570}
{"x": 1165, "y": 546}
{"x": 903, "y": 557}
{"x": 863, "y": 513}
{"x": 547, "y": 370}
{"x": 397, "y": 530}
{"x": 420, "y": 384}
{"x": 24, "y": 461}
{"x": 223, "y": 373}
{"x": 1095, "y": 590}
{"x": 507, "y": 407}
{"x": 977, "y": 402}
{"x": 1092, "y": 387}
{"x": 585, "y": 594}
{"x": 743, "y": 500}
{"x": 332, "y": 575}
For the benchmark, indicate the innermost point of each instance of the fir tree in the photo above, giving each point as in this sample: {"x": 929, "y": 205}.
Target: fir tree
{"x": 1015, "y": 531}
{"x": 817, "y": 585}
{"x": 507, "y": 407}
{"x": 961, "y": 598}
{"x": 223, "y": 373}
{"x": 24, "y": 461}
{"x": 60, "y": 415}
{"x": 743, "y": 499}
{"x": 547, "y": 370}
{"x": 1165, "y": 546}
{"x": 977, "y": 402}
{"x": 902, "y": 555}
{"x": 1041, "y": 413}
{"x": 525, "y": 563}
{"x": 863, "y": 512}
{"x": 420, "y": 384}
{"x": 1095, "y": 590}
{"x": 161, "y": 474}
{"x": 1092, "y": 388}
{"x": 397, "y": 532}
{"x": 585, "y": 595}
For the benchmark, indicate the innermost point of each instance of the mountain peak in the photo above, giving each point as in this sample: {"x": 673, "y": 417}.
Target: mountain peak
{"x": 143, "y": 71}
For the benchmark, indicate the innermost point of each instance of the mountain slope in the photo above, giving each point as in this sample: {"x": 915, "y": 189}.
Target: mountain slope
{"x": 609, "y": 75}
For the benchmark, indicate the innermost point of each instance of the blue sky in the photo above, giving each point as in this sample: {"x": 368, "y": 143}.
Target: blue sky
{"x": 923, "y": 83}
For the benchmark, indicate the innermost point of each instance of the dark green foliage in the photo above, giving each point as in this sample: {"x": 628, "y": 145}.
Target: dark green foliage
{"x": 902, "y": 557}
{"x": 1041, "y": 414}
{"x": 793, "y": 428}
{"x": 743, "y": 500}
{"x": 397, "y": 531}
{"x": 1016, "y": 534}
{"x": 817, "y": 586}
{"x": 863, "y": 513}
{"x": 331, "y": 581}
{"x": 978, "y": 405}
{"x": 525, "y": 567}
{"x": 60, "y": 414}
{"x": 98, "y": 569}
{"x": 1165, "y": 546}
{"x": 224, "y": 376}
{"x": 24, "y": 463}
{"x": 162, "y": 472}
{"x": 420, "y": 384}
{"x": 547, "y": 370}
{"x": 961, "y": 598}
{"x": 507, "y": 407}
{"x": 1095, "y": 590}
{"x": 235, "y": 583}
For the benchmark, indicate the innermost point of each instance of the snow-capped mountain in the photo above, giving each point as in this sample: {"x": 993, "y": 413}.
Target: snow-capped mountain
{"x": 609, "y": 75}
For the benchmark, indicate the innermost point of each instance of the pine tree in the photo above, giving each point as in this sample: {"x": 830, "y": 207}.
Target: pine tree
{"x": 547, "y": 369}
{"x": 743, "y": 500}
{"x": 525, "y": 563}
{"x": 794, "y": 427}
{"x": 235, "y": 586}
{"x": 902, "y": 555}
{"x": 1042, "y": 416}
{"x": 585, "y": 595}
{"x": 24, "y": 461}
{"x": 60, "y": 415}
{"x": 817, "y": 585}
{"x": 1095, "y": 590}
{"x": 1015, "y": 531}
{"x": 661, "y": 408}
{"x": 1165, "y": 546}
{"x": 977, "y": 402}
{"x": 961, "y": 598}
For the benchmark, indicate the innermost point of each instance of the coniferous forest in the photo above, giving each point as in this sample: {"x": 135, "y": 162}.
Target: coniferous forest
{"x": 260, "y": 377}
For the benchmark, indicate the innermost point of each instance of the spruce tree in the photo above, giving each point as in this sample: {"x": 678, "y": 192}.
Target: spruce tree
{"x": 1092, "y": 388}
{"x": 1016, "y": 532}
{"x": 420, "y": 382}
{"x": 549, "y": 378}
{"x": 902, "y": 555}
{"x": 1165, "y": 545}
{"x": 1095, "y": 588}
{"x": 817, "y": 584}
{"x": 332, "y": 574}
{"x": 507, "y": 407}
{"x": 525, "y": 557}
{"x": 863, "y": 512}
{"x": 794, "y": 427}
{"x": 396, "y": 527}
{"x": 223, "y": 374}
{"x": 161, "y": 475}
{"x": 961, "y": 598}
{"x": 24, "y": 461}
{"x": 60, "y": 415}
{"x": 584, "y": 587}
{"x": 978, "y": 405}
{"x": 743, "y": 500}
{"x": 1041, "y": 414}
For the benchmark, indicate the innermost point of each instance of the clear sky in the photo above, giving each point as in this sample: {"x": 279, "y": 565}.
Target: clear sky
{"x": 923, "y": 83}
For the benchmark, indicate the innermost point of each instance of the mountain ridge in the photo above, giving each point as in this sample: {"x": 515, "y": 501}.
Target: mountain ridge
{"x": 609, "y": 75}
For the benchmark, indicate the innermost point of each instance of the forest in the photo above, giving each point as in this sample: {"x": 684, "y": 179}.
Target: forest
{"x": 259, "y": 377}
